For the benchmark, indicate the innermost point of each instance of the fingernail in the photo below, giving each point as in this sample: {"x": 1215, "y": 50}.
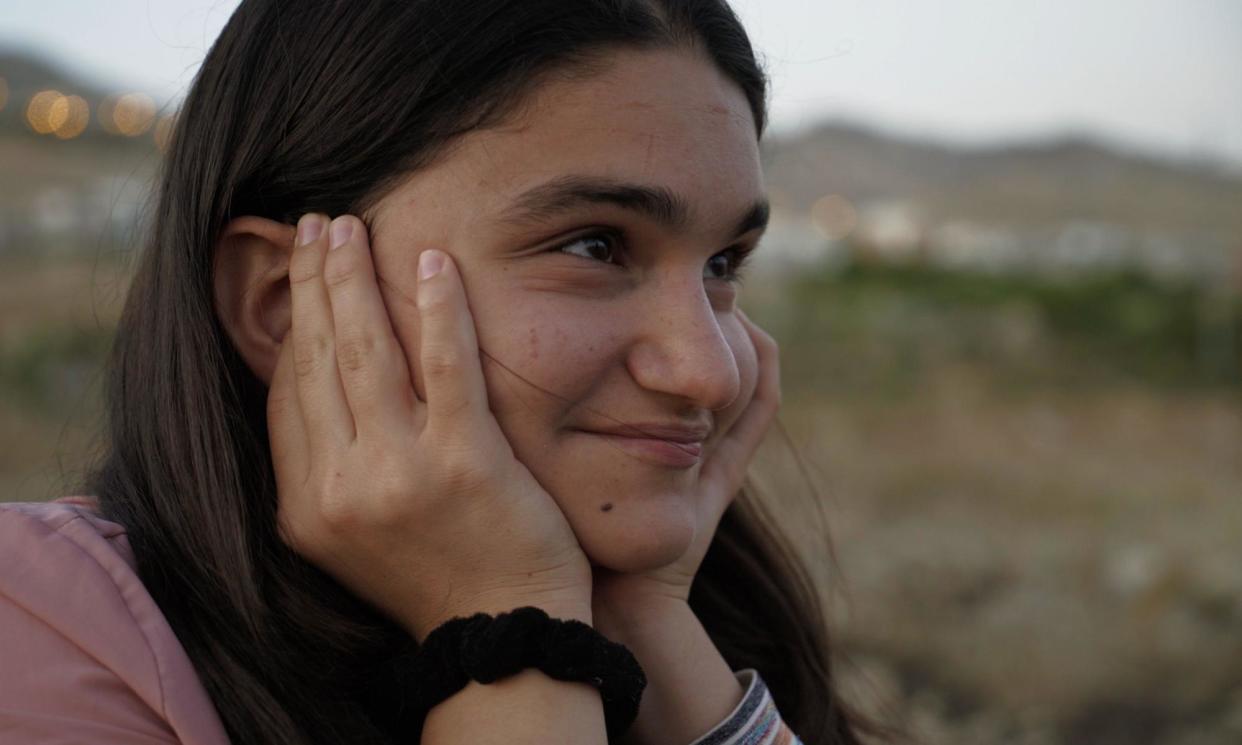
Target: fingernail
{"x": 430, "y": 262}
{"x": 310, "y": 227}
{"x": 342, "y": 229}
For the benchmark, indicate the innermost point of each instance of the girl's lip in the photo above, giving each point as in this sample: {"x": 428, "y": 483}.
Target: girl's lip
{"x": 659, "y": 452}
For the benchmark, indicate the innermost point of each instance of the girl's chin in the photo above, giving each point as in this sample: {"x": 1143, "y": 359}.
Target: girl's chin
{"x": 635, "y": 542}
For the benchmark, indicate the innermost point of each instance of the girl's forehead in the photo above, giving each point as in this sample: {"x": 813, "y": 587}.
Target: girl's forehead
{"x": 665, "y": 119}
{"x": 636, "y": 88}
{"x": 662, "y": 115}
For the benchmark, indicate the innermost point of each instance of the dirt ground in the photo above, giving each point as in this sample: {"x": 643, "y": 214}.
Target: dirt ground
{"x": 1052, "y": 568}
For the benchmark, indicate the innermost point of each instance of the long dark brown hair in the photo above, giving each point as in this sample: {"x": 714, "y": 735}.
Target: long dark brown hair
{"x": 322, "y": 106}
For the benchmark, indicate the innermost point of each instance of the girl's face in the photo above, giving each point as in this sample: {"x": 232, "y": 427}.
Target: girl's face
{"x": 597, "y": 232}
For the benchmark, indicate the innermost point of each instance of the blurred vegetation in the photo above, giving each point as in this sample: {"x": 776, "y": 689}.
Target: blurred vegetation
{"x": 1100, "y": 329}
{"x": 37, "y": 367}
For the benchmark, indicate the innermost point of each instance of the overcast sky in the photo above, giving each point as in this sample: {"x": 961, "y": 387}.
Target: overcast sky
{"x": 1162, "y": 75}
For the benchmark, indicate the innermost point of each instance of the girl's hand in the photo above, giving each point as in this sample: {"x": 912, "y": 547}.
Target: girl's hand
{"x": 720, "y": 479}
{"x": 690, "y": 685}
{"x": 419, "y": 507}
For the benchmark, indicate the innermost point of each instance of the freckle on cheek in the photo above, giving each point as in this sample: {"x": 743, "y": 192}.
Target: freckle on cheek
{"x": 606, "y": 508}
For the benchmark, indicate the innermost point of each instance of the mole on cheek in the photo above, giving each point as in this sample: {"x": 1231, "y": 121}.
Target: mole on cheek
{"x": 607, "y": 507}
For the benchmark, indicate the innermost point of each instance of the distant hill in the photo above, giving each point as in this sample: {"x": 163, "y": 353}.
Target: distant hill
{"x": 27, "y": 72}
{"x": 1019, "y": 185}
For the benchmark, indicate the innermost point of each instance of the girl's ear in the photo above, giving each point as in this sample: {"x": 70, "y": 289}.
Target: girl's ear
{"x": 251, "y": 284}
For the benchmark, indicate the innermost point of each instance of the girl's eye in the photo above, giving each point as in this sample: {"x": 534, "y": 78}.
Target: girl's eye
{"x": 599, "y": 247}
{"x": 606, "y": 247}
{"x": 726, "y": 265}
{"x": 718, "y": 267}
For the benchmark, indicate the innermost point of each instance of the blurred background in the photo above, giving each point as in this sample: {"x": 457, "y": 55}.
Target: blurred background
{"x": 1006, "y": 273}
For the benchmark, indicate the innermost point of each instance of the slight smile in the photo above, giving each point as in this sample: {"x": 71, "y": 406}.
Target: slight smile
{"x": 658, "y": 445}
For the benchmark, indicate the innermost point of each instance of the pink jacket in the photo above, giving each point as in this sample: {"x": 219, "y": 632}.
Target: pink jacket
{"x": 86, "y": 656}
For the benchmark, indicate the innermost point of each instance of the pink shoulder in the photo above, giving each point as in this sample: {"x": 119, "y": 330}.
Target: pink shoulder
{"x": 88, "y": 654}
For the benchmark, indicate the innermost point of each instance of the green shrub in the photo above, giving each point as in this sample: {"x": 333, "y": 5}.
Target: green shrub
{"x": 872, "y": 323}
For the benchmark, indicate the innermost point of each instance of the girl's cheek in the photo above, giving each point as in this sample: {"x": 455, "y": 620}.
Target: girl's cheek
{"x": 554, "y": 349}
{"x": 747, "y": 361}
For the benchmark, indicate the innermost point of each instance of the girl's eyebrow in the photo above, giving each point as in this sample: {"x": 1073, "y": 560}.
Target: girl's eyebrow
{"x": 552, "y": 198}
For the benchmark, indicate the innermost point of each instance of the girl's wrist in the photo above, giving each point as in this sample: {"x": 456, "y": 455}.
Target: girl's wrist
{"x": 636, "y": 616}
{"x": 690, "y": 686}
{"x": 565, "y": 606}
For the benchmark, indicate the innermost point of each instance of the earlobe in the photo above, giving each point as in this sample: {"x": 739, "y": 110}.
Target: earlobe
{"x": 251, "y": 286}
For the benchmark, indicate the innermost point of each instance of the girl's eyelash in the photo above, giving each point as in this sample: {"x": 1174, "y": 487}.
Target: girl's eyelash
{"x": 737, "y": 256}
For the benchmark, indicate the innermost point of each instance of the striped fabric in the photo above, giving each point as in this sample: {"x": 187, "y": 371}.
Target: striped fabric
{"x": 755, "y": 721}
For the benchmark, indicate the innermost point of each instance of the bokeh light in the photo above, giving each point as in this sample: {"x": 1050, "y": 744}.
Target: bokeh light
{"x": 163, "y": 131}
{"x": 77, "y": 116}
{"x": 47, "y": 111}
{"x": 834, "y": 217}
{"x": 131, "y": 114}
{"x": 52, "y": 112}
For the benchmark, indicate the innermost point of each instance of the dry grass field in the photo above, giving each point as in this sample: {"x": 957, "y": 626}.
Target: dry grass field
{"x": 1051, "y": 569}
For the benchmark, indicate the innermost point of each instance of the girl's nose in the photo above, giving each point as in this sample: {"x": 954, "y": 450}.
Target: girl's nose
{"x": 681, "y": 348}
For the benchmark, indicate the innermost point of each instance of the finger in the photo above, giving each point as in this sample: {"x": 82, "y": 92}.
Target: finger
{"x": 727, "y": 467}
{"x": 370, "y": 361}
{"x": 403, "y": 312}
{"x": 285, "y": 428}
{"x": 329, "y": 423}
{"x": 449, "y": 350}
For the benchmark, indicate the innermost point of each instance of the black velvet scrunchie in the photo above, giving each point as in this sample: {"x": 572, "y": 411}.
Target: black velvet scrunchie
{"x": 487, "y": 648}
